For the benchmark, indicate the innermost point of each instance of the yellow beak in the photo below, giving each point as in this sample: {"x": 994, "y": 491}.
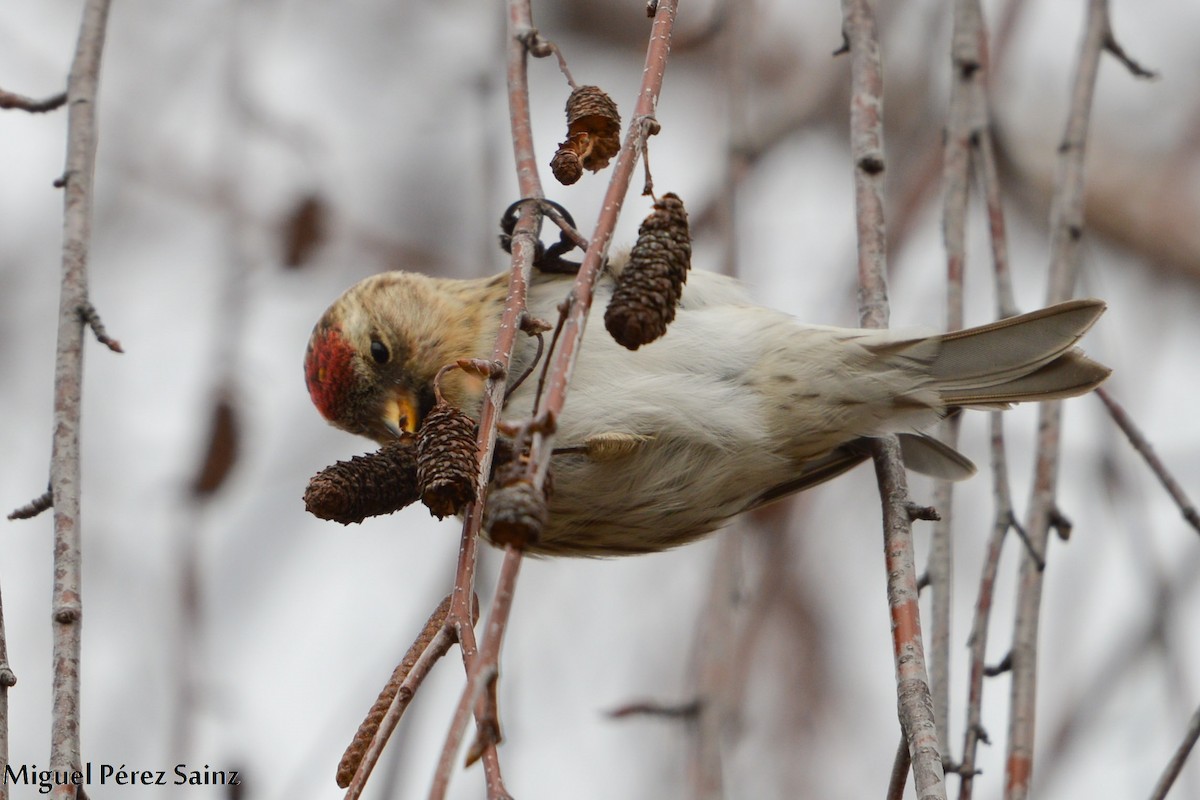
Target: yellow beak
{"x": 400, "y": 414}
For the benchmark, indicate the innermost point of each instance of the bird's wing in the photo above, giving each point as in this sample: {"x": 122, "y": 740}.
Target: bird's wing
{"x": 921, "y": 453}
{"x": 817, "y": 471}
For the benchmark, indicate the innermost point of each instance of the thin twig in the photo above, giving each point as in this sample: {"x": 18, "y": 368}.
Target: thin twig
{"x": 967, "y": 117}
{"x": 370, "y": 728}
{"x": 687, "y": 712}
{"x": 363, "y": 754}
{"x": 1113, "y": 48}
{"x": 579, "y": 302}
{"x": 524, "y": 245}
{"x": 482, "y": 671}
{"x": 82, "y": 89}
{"x": 866, "y": 143}
{"x": 978, "y": 638}
{"x": 1175, "y": 765}
{"x": 37, "y": 505}
{"x": 7, "y": 679}
{"x": 540, "y": 47}
{"x": 11, "y": 100}
{"x": 1066, "y": 222}
{"x": 1146, "y": 451}
{"x": 901, "y": 765}
{"x": 91, "y": 318}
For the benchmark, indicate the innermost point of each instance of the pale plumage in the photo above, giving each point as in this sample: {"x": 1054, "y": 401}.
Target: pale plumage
{"x": 735, "y": 406}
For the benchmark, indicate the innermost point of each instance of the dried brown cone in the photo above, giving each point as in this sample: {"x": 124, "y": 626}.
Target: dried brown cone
{"x": 649, "y": 288}
{"x": 353, "y": 756}
{"x": 566, "y": 166}
{"x": 516, "y": 514}
{"x": 593, "y": 135}
{"x": 371, "y": 485}
{"x": 446, "y": 463}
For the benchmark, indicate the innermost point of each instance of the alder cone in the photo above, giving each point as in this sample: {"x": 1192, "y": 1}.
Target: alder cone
{"x": 566, "y": 166}
{"x": 649, "y": 288}
{"x": 370, "y": 485}
{"x": 593, "y": 135}
{"x": 446, "y": 462}
{"x": 516, "y": 514}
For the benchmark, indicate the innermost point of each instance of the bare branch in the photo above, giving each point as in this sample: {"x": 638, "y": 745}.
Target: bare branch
{"x": 7, "y": 679}
{"x": 977, "y": 641}
{"x": 1066, "y": 222}
{"x": 648, "y": 708}
{"x": 37, "y": 505}
{"x": 363, "y": 753}
{"x": 1146, "y": 451}
{"x": 1175, "y": 765}
{"x": 866, "y": 143}
{"x": 11, "y": 100}
{"x": 479, "y": 692}
{"x": 89, "y": 315}
{"x": 641, "y": 125}
{"x": 967, "y": 119}
{"x": 1112, "y": 47}
{"x": 901, "y": 764}
{"x": 82, "y": 88}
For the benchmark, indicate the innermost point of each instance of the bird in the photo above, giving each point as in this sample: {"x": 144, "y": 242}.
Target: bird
{"x": 736, "y": 406}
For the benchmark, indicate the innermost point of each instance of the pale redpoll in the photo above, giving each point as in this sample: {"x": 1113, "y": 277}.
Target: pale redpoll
{"x": 736, "y": 406}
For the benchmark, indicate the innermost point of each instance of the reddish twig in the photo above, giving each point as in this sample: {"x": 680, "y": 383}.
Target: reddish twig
{"x": 523, "y": 247}
{"x": 1175, "y": 765}
{"x": 91, "y": 318}
{"x": 7, "y": 679}
{"x": 1146, "y": 451}
{"x": 580, "y": 299}
{"x": 978, "y": 638}
{"x": 82, "y": 86}
{"x": 19, "y": 102}
{"x": 688, "y": 711}
{"x": 967, "y": 118}
{"x": 482, "y": 671}
{"x": 363, "y": 753}
{"x": 540, "y": 47}
{"x": 1066, "y": 223}
{"x": 479, "y": 693}
{"x": 901, "y": 764}
{"x": 866, "y": 143}
{"x": 522, "y": 39}
{"x": 43, "y": 502}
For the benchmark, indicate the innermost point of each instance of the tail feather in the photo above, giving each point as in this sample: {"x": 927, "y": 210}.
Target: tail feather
{"x": 1028, "y": 357}
{"x": 1069, "y": 375}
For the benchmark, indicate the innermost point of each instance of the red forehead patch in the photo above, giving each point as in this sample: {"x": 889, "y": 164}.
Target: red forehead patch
{"x": 328, "y": 369}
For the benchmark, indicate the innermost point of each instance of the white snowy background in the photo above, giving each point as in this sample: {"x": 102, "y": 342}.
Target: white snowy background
{"x": 216, "y": 117}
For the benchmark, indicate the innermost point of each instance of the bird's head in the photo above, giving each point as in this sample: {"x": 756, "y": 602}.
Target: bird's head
{"x": 373, "y": 356}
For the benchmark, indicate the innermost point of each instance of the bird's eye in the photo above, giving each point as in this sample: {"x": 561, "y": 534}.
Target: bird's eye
{"x": 379, "y": 352}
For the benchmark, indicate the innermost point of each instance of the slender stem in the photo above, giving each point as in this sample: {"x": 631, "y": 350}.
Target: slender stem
{"x": 1136, "y": 438}
{"x": 866, "y": 143}
{"x": 12, "y": 100}
{"x": 580, "y": 299}
{"x": 901, "y": 764}
{"x": 482, "y": 672}
{"x": 7, "y": 679}
{"x": 437, "y": 647}
{"x": 1175, "y": 765}
{"x": 82, "y": 89}
{"x": 977, "y": 641}
{"x": 1066, "y": 222}
{"x": 963, "y": 124}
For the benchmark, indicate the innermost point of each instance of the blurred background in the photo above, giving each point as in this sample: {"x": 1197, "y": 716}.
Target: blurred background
{"x": 256, "y": 158}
